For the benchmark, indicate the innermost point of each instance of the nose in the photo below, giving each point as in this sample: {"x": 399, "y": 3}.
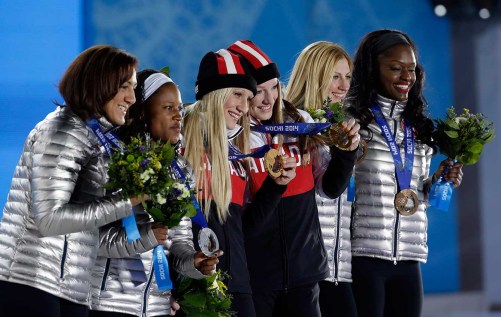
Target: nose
{"x": 344, "y": 85}
{"x": 405, "y": 74}
{"x": 268, "y": 98}
{"x": 243, "y": 106}
{"x": 130, "y": 97}
{"x": 178, "y": 114}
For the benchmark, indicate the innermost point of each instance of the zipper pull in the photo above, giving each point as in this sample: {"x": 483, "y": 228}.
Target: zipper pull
{"x": 395, "y": 261}
{"x": 335, "y": 281}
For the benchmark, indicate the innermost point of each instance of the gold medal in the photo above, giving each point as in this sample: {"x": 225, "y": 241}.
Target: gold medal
{"x": 406, "y": 202}
{"x": 273, "y": 163}
{"x": 339, "y": 137}
{"x": 363, "y": 147}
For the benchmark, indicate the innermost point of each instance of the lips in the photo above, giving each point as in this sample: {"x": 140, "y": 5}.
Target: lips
{"x": 402, "y": 88}
{"x": 234, "y": 116}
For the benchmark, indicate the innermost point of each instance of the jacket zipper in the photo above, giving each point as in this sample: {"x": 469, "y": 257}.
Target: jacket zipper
{"x": 397, "y": 220}
{"x": 284, "y": 248}
{"x": 336, "y": 248}
{"x": 105, "y": 275}
{"x": 63, "y": 259}
{"x": 147, "y": 289}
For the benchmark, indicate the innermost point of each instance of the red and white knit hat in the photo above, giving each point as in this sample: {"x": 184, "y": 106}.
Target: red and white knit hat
{"x": 222, "y": 69}
{"x": 263, "y": 69}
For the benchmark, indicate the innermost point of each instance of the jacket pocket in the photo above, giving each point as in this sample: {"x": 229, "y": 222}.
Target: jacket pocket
{"x": 63, "y": 258}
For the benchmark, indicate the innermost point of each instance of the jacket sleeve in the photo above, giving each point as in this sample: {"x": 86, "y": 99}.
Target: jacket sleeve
{"x": 113, "y": 241}
{"x": 59, "y": 157}
{"x": 332, "y": 171}
{"x": 264, "y": 202}
{"x": 182, "y": 251}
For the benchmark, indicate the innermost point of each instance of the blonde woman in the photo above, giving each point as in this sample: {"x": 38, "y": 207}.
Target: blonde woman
{"x": 323, "y": 70}
{"x": 288, "y": 234}
{"x": 224, "y": 91}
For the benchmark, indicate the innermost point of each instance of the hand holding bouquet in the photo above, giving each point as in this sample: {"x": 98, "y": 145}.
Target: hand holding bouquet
{"x": 143, "y": 167}
{"x": 334, "y": 113}
{"x": 461, "y": 138}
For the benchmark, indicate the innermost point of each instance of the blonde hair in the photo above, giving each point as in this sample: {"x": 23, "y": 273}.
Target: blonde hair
{"x": 205, "y": 138}
{"x": 312, "y": 74}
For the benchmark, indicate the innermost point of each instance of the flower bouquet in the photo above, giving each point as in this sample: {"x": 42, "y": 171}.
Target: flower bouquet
{"x": 143, "y": 167}
{"x": 462, "y": 138}
{"x": 335, "y": 113}
{"x": 207, "y": 297}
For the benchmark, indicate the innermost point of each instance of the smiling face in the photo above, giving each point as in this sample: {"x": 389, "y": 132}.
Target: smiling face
{"x": 236, "y": 106}
{"x": 261, "y": 106}
{"x": 165, "y": 108}
{"x": 116, "y": 108}
{"x": 340, "y": 83}
{"x": 397, "y": 72}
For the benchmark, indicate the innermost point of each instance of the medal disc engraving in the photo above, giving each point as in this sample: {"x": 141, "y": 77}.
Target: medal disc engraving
{"x": 207, "y": 240}
{"x": 406, "y": 202}
{"x": 273, "y": 163}
{"x": 339, "y": 136}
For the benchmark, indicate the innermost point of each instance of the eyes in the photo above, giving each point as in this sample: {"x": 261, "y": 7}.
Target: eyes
{"x": 261, "y": 90}
{"x": 173, "y": 109}
{"x": 338, "y": 77}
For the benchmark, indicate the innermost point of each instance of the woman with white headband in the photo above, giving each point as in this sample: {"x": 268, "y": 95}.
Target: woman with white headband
{"x": 123, "y": 279}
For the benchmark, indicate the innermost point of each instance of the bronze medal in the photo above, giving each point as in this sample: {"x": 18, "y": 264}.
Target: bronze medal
{"x": 207, "y": 241}
{"x": 363, "y": 147}
{"x": 273, "y": 163}
{"x": 406, "y": 202}
{"x": 339, "y": 137}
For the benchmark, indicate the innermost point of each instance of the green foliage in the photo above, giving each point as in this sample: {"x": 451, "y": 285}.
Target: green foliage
{"x": 205, "y": 297}
{"x": 142, "y": 167}
{"x": 462, "y": 137}
{"x": 333, "y": 112}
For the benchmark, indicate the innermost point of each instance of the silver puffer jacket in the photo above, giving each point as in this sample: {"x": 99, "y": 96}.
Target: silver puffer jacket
{"x": 124, "y": 280}
{"x": 49, "y": 235}
{"x": 335, "y": 220}
{"x": 378, "y": 230}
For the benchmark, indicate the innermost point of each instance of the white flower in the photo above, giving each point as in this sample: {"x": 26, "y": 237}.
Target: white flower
{"x": 160, "y": 199}
{"x": 145, "y": 176}
{"x": 323, "y": 120}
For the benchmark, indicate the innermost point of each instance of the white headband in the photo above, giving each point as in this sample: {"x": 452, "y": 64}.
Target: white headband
{"x": 153, "y": 82}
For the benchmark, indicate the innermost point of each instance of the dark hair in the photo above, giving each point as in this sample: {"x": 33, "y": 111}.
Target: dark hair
{"x": 365, "y": 78}
{"x": 94, "y": 78}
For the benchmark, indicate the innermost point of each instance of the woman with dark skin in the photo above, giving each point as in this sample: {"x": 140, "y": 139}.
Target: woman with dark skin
{"x": 389, "y": 239}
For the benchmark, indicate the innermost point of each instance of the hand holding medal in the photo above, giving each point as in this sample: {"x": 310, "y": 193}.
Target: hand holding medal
{"x": 281, "y": 168}
{"x": 342, "y": 134}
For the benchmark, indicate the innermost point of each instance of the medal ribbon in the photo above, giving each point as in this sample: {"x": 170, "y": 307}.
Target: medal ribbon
{"x": 298, "y": 128}
{"x": 441, "y": 192}
{"x": 161, "y": 268}
{"x": 110, "y": 141}
{"x": 403, "y": 170}
{"x": 235, "y": 154}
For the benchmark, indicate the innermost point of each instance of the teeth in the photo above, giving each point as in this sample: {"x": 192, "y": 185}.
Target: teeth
{"x": 234, "y": 116}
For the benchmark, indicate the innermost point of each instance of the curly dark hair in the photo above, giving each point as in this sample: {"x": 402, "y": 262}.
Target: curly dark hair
{"x": 364, "y": 82}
